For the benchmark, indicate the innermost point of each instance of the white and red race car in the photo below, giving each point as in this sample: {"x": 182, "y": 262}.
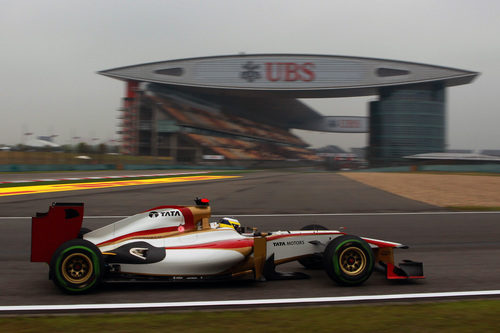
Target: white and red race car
{"x": 179, "y": 243}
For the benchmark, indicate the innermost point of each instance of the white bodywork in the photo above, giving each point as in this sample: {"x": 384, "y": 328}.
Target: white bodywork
{"x": 192, "y": 249}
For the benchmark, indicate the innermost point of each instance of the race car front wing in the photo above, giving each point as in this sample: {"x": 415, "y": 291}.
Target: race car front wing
{"x": 406, "y": 270}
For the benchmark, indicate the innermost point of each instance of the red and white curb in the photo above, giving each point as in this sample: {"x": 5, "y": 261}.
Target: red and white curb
{"x": 248, "y": 302}
{"x": 103, "y": 177}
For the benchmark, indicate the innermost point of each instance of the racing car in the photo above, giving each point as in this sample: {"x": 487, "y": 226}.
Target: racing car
{"x": 180, "y": 243}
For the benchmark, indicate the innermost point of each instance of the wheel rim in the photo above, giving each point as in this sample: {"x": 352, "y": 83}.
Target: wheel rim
{"x": 77, "y": 268}
{"x": 352, "y": 261}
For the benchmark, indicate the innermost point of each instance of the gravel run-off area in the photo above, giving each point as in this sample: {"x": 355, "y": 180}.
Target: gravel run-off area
{"x": 445, "y": 190}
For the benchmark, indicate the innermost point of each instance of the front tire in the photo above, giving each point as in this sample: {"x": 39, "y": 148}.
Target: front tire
{"x": 348, "y": 260}
{"x": 77, "y": 266}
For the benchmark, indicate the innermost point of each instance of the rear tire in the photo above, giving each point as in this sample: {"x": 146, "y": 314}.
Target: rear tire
{"x": 77, "y": 266}
{"x": 314, "y": 261}
{"x": 348, "y": 260}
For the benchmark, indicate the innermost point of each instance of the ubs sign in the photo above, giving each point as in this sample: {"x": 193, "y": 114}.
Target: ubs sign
{"x": 279, "y": 71}
{"x": 275, "y": 72}
{"x": 337, "y": 124}
{"x": 288, "y": 72}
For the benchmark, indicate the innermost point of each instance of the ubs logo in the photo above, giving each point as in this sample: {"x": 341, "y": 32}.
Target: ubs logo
{"x": 280, "y": 71}
{"x": 251, "y": 74}
{"x": 332, "y": 123}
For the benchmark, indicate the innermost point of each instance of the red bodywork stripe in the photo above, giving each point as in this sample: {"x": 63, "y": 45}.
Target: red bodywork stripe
{"x": 270, "y": 238}
{"x": 379, "y": 243}
{"x": 227, "y": 244}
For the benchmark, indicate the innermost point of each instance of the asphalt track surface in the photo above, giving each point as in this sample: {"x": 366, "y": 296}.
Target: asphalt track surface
{"x": 460, "y": 251}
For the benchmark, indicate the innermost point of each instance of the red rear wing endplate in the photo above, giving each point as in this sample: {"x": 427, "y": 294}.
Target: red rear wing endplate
{"x": 49, "y": 230}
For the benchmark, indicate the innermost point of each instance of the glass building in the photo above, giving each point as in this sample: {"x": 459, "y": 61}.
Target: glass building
{"x": 405, "y": 121}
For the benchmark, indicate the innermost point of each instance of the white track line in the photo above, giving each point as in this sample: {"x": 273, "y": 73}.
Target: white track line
{"x": 283, "y": 215}
{"x": 279, "y": 301}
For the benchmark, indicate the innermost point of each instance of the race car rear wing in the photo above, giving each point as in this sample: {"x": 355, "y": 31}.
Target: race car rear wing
{"x": 49, "y": 230}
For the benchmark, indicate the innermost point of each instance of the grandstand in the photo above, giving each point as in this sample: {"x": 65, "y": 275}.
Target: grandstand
{"x": 188, "y": 129}
{"x": 241, "y": 107}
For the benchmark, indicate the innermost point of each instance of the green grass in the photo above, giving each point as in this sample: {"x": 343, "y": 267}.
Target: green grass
{"x": 465, "y": 316}
{"x": 216, "y": 173}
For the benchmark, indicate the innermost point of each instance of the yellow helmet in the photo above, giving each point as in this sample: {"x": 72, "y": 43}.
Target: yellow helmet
{"x": 227, "y": 222}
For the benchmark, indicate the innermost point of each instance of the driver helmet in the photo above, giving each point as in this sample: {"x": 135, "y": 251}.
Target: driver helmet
{"x": 227, "y": 222}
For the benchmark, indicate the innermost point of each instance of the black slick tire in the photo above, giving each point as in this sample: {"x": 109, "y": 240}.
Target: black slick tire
{"x": 348, "y": 260}
{"x": 77, "y": 267}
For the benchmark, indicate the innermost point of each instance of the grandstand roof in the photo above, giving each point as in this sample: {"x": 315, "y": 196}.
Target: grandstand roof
{"x": 265, "y": 87}
{"x": 288, "y": 75}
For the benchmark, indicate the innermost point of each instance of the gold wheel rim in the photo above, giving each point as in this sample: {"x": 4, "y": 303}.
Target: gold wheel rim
{"x": 77, "y": 268}
{"x": 352, "y": 261}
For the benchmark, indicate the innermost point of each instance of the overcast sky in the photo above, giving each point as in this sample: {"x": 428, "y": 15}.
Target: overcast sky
{"x": 51, "y": 51}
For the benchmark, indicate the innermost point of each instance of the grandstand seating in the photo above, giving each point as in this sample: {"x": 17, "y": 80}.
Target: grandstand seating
{"x": 232, "y": 148}
{"x": 233, "y": 137}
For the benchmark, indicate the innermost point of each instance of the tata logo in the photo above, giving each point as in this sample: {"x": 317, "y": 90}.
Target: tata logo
{"x": 279, "y": 72}
{"x": 165, "y": 213}
{"x": 289, "y": 243}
